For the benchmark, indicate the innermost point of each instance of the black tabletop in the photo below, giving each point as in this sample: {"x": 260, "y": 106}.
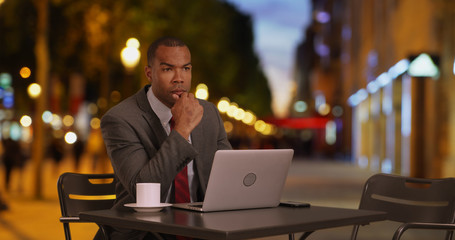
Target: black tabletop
{"x": 240, "y": 224}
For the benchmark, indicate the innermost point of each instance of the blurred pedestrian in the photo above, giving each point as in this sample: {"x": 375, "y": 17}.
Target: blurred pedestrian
{"x": 56, "y": 150}
{"x": 78, "y": 150}
{"x": 13, "y": 157}
{"x": 3, "y": 205}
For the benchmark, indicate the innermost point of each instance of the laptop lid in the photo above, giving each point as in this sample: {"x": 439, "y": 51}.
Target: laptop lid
{"x": 242, "y": 179}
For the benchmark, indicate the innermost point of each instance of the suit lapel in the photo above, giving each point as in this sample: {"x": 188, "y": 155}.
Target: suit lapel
{"x": 157, "y": 134}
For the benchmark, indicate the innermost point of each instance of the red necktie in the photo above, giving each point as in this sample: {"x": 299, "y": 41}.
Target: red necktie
{"x": 182, "y": 190}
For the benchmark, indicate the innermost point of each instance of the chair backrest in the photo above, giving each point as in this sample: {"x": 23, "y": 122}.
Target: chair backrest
{"x": 84, "y": 192}
{"x": 408, "y": 199}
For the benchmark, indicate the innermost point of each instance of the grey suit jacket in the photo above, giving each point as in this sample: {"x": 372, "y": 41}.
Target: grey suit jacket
{"x": 141, "y": 151}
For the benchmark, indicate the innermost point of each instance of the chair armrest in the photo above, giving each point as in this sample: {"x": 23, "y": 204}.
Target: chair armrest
{"x": 69, "y": 219}
{"x": 437, "y": 226}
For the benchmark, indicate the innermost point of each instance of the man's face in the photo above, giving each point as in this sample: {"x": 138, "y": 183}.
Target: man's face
{"x": 170, "y": 73}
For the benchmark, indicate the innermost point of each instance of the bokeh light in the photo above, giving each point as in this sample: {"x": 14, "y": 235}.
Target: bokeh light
{"x": 232, "y": 109}
{"x": 47, "y": 116}
{"x": 260, "y": 126}
{"x": 25, "y": 72}
{"x": 239, "y": 114}
{"x": 228, "y": 126}
{"x": 15, "y": 131}
{"x": 268, "y": 130}
{"x": 95, "y": 123}
{"x": 337, "y": 111}
{"x": 133, "y": 42}
{"x": 324, "y": 109}
{"x": 56, "y": 122}
{"x": 68, "y": 120}
{"x": 5, "y": 126}
{"x": 8, "y": 98}
{"x": 202, "y": 91}
{"x": 7, "y": 114}
{"x": 2, "y": 114}
{"x": 330, "y": 132}
{"x": 5, "y": 80}
{"x": 249, "y": 118}
{"x": 300, "y": 106}
{"x": 70, "y": 137}
{"x": 223, "y": 105}
{"x": 92, "y": 108}
{"x": 34, "y": 90}
{"x": 130, "y": 55}
{"x": 26, "y": 121}
{"x": 116, "y": 96}
{"x": 101, "y": 102}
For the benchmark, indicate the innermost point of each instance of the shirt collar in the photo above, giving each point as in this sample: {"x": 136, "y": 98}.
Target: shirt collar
{"x": 161, "y": 110}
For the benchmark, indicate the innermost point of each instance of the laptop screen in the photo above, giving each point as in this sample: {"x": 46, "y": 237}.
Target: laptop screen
{"x": 242, "y": 179}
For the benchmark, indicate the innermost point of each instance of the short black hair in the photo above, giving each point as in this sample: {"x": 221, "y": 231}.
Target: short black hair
{"x": 163, "y": 41}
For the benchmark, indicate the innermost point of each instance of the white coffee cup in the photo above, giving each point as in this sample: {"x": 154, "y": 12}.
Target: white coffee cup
{"x": 148, "y": 194}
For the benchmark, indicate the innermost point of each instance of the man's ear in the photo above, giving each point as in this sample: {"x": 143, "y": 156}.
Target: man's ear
{"x": 148, "y": 72}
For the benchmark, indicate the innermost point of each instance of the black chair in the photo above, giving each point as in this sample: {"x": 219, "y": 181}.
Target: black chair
{"x": 415, "y": 202}
{"x": 84, "y": 192}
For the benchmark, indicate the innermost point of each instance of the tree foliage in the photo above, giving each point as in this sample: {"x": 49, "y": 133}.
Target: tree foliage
{"x": 87, "y": 36}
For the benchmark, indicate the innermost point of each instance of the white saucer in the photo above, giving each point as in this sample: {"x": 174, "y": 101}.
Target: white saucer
{"x": 147, "y": 209}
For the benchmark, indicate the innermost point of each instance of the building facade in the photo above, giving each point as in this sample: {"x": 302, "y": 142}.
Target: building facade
{"x": 389, "y": 64}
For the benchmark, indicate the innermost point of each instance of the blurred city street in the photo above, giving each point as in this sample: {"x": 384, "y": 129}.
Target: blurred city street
{"x": 363, "y": 80}
{"x": 320, "y": 182}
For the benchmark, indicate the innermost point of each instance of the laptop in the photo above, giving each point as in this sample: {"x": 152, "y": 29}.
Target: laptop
{"x": 244, "y": 179}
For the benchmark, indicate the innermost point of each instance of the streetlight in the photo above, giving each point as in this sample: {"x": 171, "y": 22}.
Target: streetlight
{"x": 130, "y": 56}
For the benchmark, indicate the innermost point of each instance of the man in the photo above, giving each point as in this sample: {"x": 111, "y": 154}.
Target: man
{"x": 139, "y": 139}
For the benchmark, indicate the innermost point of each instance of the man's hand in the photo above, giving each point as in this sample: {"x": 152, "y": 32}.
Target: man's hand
{"x": 187, "y": 113}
